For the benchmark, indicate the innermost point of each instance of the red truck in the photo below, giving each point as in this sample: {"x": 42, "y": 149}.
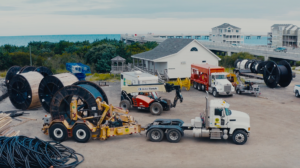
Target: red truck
{"x": 211, "y": 78}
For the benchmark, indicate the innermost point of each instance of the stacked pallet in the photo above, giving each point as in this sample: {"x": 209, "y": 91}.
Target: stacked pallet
{"x": 5, "y": 128}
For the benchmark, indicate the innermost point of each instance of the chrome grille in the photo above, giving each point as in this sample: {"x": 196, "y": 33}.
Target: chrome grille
{"x": 227, "y": 88}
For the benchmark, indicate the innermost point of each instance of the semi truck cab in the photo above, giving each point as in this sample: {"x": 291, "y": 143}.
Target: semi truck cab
{"x": 217, "y": 122}
{"x": 219, "y": 84}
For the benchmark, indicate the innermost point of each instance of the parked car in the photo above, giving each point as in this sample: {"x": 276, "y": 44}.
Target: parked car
{"x": 280, "y": 49}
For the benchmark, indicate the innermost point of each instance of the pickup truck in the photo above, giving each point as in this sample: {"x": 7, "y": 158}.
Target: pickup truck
{"x": 297, "y": 90}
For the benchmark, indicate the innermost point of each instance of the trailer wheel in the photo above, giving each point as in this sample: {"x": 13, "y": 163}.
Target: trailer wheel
{"x": 58, "y": 132}
{"x": 81, "y": 133}
{"x": 173, "y": 135}
{"x": 297, "y": 93}
{"x": 199, "y": 87}
{"x": 155, "y": 135}
{"x": 156, "y": 108}
{"x": 215, "y": 93}
{"x": 125, "y": 104}
{"x": 238, "y": 91}
{"x": 239, "y": 137}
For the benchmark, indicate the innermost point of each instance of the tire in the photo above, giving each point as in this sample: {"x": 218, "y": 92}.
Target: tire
{"x": 239, "y": 137}
{"x": 81, "y": 133}
{"x": 297, "y": 93}
{"x": 195, "y": 85}
{"x": 155, "y": 135}
{"x": 125, "y": 104}
{"x": 199, "y": 87}
{"x": 156, "y": 108}
{"x": 238, "y": 91}
{"x": 173, "y": 135}
{"x": 215, "y": 93}
{"x": 58, "y": 132}
{"x": 203, "y": 88}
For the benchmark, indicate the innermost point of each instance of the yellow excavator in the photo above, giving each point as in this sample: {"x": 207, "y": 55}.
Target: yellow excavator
{"x": 112, "y": 121}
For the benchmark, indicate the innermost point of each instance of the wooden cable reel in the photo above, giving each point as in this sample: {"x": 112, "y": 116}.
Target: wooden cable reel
{"x": 51, "y": 84}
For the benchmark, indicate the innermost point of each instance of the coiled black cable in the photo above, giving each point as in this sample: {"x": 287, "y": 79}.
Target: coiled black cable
{"x": 24, "y": 152}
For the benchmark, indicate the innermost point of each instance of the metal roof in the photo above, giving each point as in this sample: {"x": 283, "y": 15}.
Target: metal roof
{"x": 225, "y": 25}
{"x": 167, "y": 47}
{"x": 277, "y": 25}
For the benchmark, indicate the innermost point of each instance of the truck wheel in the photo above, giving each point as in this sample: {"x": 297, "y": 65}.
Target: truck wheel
{"x": 297, "y": 93}
{"x": 239, "y": 137}
{"x": 238, "y": 91}
{"x": 203, "y": 88}
{"x": 125, "y": 104}
{"x": 199, "y": 87}
{"x": 155, "y": 135}
{"x": 58, "y": 132}
{"x": 81, "y": 133}
{"x": 156, "y": 108}
{"x": 195, "y": 85}
{"x": 173, "y": 135}
{"x": 215, "y": 93}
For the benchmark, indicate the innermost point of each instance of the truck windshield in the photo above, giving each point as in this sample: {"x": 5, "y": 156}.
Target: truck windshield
{"x": 220, "y": 77}
{"x": 227, "y": 111}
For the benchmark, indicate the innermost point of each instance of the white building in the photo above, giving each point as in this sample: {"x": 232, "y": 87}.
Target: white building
{"x": 284, "y": 35}
{"x": 226, "y": 33}
{"x": 174, "y": 57}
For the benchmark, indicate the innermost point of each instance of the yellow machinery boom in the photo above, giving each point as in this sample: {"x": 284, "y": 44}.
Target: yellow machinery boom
{"x": 113, "y": 122}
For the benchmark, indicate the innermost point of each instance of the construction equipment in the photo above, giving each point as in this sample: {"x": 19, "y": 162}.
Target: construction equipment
{"x": 185, "y": 83}
{"x": 273, "y": 73}
{"x": 217, "y": 122}
{"x": 247, "y": 87}
{"x": 106, "y": 122}
{"x": 137, "y": 77}
{"x": 78, "y": 69}
{"x": 211, "y": 78}
{"x": 147, "y": 97}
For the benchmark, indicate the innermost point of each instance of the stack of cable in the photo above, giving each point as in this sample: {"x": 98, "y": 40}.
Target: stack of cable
{"x": 21, "y": 151}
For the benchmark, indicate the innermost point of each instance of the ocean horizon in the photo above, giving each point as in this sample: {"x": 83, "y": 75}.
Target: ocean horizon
{"x": 24, "y": 40}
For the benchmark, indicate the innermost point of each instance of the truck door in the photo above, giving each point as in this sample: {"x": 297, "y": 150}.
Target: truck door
{"x": 217, "y": 117}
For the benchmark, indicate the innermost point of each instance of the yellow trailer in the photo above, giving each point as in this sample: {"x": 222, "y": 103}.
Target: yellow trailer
{"x": 112, "y": 122}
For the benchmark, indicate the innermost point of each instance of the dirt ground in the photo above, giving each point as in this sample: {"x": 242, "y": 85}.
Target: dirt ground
{"x": 274, "y": 139}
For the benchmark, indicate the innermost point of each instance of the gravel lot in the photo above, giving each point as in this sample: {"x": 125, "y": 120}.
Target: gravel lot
{"x": 274, "y": 139}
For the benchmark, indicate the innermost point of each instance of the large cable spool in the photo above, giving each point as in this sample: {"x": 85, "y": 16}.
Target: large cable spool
{"x": 253, "y": 66}
{"x": 12, "y": 71}
{"x": 23, "y": 90}
{"x": 280, "y": 73}
{"x": 261, "y": 66}
{"x": 51, "y": 84}
{"x": 242, "y": 64}
{"x": 237, "y": 63}
{"x": 85, "y": 92}
{"x": 44, "y": 71}
{"x": 26, "y": 69}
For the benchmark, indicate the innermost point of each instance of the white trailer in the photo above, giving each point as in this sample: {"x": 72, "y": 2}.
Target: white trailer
{"x": 136, "y": 78}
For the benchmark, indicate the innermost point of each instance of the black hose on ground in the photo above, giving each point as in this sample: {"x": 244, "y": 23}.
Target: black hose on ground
{"x": 21, "y": 151}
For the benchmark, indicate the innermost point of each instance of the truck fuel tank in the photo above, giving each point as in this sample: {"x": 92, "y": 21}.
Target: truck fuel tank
{"x": 200, "y": 132}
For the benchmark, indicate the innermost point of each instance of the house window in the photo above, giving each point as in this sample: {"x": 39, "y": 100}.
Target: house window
{"x": 229, "y": 31}
{"x": 204, "y": 61}
{"x": 152, "y": 63}
{"x": 237, "y": 31}
{"x": 194, "y": 49}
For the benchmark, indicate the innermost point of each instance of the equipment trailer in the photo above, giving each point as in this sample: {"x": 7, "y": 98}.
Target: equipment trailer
{"x": 218, "y": 122}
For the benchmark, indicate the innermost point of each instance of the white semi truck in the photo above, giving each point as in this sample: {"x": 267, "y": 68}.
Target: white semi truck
{"x": 297, "y": 90}
{"x": 217, "y": 122}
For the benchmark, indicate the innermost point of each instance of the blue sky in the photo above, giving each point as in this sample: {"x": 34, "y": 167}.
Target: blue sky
{"x": 42, "y": 17}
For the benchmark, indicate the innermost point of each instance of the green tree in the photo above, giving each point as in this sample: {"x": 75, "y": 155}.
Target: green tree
{"x": 228, "y": 61}
{"x": 5, "y": 61}
{"x": 101, "y": 55}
